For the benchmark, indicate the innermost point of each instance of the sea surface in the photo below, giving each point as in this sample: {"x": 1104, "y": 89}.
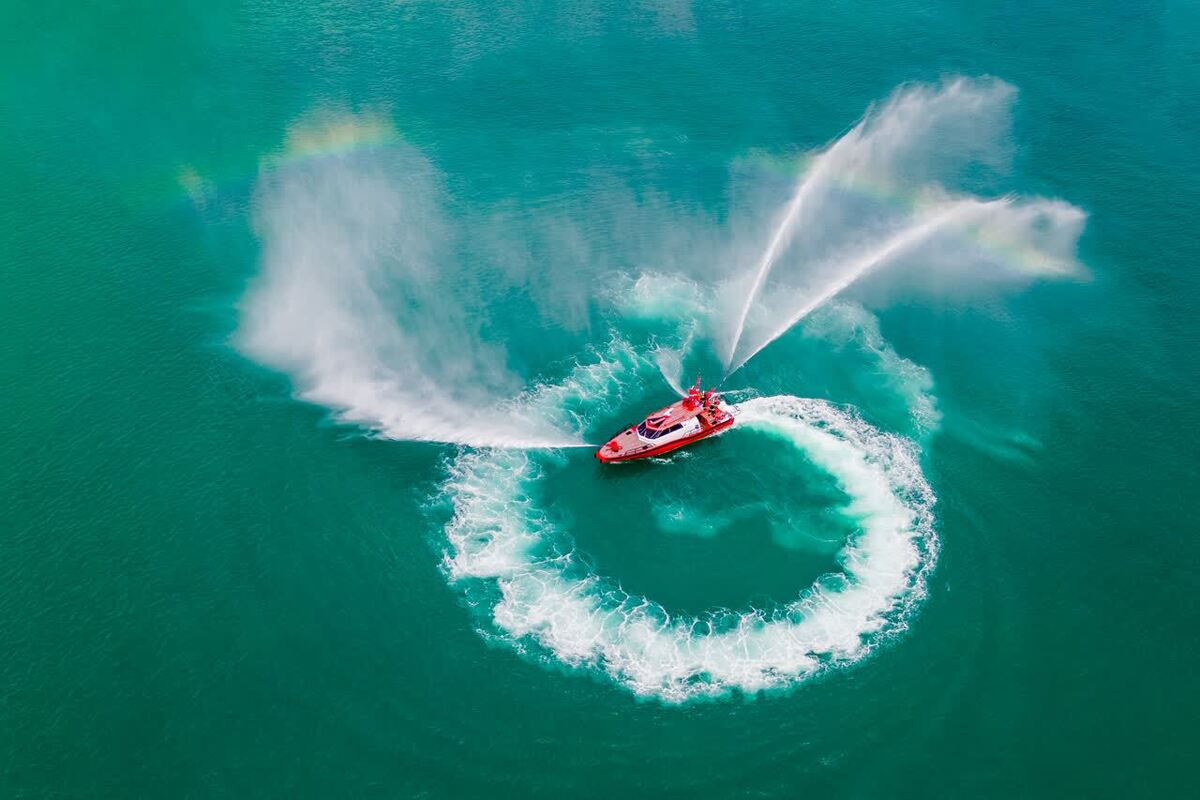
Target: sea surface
{"x": 313, "y": 314}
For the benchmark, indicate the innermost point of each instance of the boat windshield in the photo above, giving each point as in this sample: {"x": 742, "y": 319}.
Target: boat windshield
{"x": 646, "y": 432}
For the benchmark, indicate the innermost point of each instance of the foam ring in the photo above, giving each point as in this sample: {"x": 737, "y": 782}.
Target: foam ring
{"x": 540, "y": 595}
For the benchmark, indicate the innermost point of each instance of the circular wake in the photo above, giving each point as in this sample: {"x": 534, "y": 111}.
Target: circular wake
{"x": 543, "y": 600}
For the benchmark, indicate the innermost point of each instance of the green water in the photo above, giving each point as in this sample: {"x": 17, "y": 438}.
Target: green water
{"x": 250, "y": 252}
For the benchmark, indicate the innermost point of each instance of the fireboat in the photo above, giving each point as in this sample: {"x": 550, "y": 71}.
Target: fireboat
{"x": 697, "y": 416}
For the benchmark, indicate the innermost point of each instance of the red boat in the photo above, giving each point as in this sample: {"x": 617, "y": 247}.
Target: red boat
{"x": 697, "y": 416}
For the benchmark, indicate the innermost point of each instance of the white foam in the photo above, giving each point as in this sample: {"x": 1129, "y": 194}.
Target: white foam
{"x": 659, "y": 296}
{"x": 542, "y": 595}
{"x": 841, "y": 322}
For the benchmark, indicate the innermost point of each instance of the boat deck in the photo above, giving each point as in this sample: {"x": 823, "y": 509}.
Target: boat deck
{"x": 630, "y": 445}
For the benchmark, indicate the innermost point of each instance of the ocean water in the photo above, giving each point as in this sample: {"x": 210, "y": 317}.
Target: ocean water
{"x": 314, "y": 313}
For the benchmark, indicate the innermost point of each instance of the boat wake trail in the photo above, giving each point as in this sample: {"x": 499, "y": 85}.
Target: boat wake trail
{"x": 540, "y": 598}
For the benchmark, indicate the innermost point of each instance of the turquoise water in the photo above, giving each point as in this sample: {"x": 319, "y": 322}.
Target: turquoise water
{"x": 306, "y": 309}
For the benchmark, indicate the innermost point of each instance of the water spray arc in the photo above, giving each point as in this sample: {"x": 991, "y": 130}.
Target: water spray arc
{"x": 946, "y": 216}
{"x": 782, "y": 232}
{"x": 852, "y": 211}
